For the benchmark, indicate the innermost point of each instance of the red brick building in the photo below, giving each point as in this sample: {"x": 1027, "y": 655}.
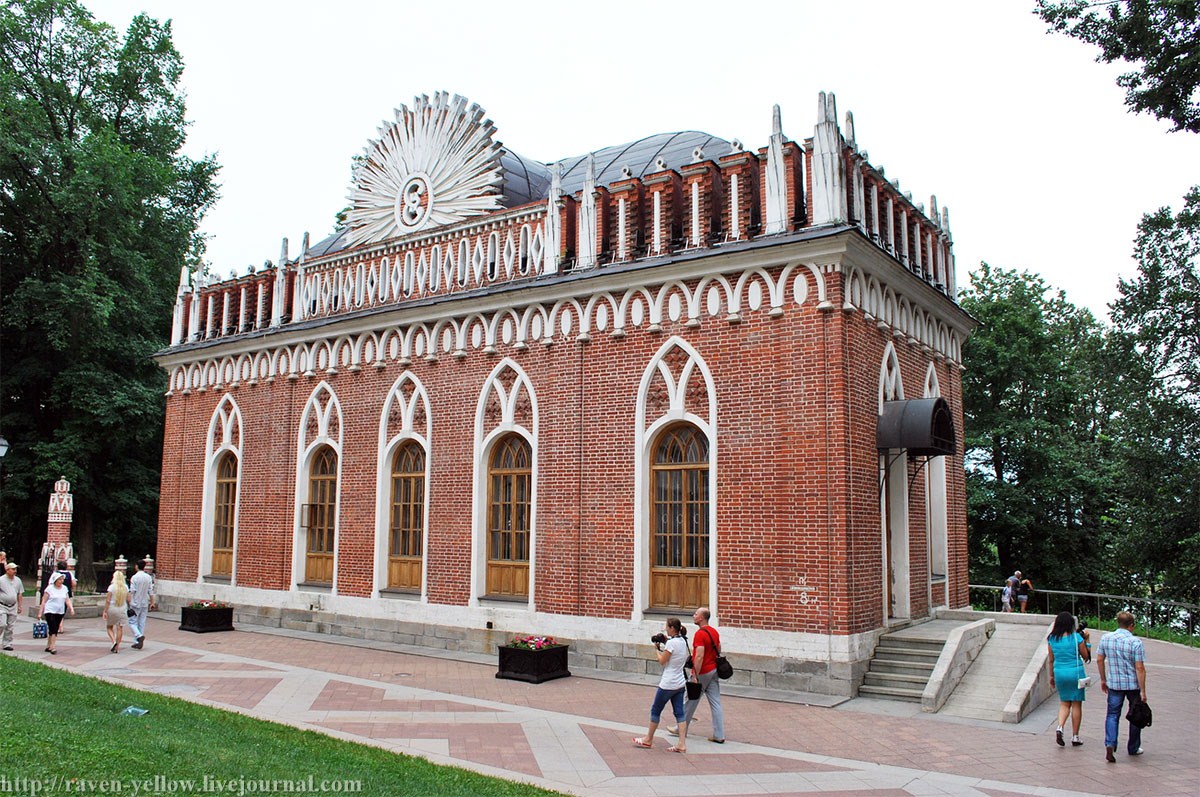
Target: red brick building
{"x": 576, "y": 398}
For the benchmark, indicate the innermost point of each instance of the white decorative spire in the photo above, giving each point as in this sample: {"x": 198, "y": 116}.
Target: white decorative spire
{"x": 587, "y": 217}
{"x": 553, "y": 225}
{"x": 829, "y": 170}
{"x": 776, "y": 209}
{"x": 177, "y": 316}
{"x": 194, "y": 308}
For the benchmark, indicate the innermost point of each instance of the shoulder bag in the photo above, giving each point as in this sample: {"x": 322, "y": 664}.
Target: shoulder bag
{"x": 724, "y": 668}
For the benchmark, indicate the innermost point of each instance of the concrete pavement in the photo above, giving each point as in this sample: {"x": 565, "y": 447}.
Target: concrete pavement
{"x": 574, "y": 734}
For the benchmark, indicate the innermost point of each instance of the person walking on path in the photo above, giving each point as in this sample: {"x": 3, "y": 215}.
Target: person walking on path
{"x": 672, "y": 653}
{"x": 1121, "y": 661}
{"x": 12, "y": 593}
{"x": 1024, "y": 590}
{"x": 141, "y": 598}
{"x": 56, "y": 604}
{"x": 706, "y": 644}
{"x": 116, "y": 610}
{"x": 1068, "y": 651}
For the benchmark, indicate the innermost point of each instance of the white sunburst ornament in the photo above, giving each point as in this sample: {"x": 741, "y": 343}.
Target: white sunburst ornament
{"x": 436, "y": 164}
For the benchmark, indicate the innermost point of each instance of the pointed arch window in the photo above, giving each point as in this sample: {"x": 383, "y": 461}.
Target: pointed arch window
{"x": 319, "y": 516}
{"x": 679, "y": 517}
{"x": 407, "y": 524}
{"x": 224, "y": 509}
{"x": 510, "y": 491}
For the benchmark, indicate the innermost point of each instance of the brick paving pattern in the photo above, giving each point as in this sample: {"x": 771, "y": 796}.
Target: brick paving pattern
{"x": 574, "y": 735}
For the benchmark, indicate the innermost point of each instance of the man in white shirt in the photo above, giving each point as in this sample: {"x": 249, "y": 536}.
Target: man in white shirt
{"x": 12, "y": 593}
{"x": 141, "y": 599}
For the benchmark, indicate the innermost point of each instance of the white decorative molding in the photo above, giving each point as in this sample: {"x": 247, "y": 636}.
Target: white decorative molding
{"x": 224, "y": 437}
{"x": 587, "y": 217}
{"x": 406, "y": 416}
{"x": 436, "y": 164}
{"x": 776, "y": 204}
{"x": 638, "y": 306}
{"x": 829, "y": 169}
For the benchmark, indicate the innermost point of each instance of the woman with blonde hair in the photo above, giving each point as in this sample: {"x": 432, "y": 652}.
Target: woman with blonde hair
{"x": 116, "y": 610}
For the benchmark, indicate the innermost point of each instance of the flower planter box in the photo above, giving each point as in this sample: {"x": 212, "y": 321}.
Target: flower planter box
{"x": 533, "y": 666}
{"x": 202, "y": 621}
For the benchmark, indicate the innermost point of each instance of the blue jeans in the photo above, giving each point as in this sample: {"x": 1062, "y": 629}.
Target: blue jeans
{"x": 662, "y": 697}
{"x": 1116, "y": 699}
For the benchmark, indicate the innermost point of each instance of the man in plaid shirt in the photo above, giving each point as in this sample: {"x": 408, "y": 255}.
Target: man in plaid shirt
{"x": 1121, "y": 660}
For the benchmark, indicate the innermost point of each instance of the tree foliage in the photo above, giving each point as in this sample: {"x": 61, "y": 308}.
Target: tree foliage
{"x": 1163, "y": 36}
{"x": 1156, "y": 336}
{"x": 1034, "y": 432}
{"x": 1083, "y": 441}
{"x": 98, "y": 211}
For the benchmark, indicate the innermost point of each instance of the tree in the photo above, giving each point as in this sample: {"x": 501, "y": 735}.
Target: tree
{"x": 1035, "y": 419}
{"x": 98, "y": 211}
{"x": 1162, "y": 35}
{"x": 1156, "y": 335}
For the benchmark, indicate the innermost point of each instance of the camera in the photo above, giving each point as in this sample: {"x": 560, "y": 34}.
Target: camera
{"x": 1082, "y": 627}
{"x": 659, "y": 639}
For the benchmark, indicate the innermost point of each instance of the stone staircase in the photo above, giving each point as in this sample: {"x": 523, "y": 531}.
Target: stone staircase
{"x": 902, "y": 664}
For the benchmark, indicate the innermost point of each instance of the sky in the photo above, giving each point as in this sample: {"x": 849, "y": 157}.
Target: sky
{"x": 1021, "y": 134}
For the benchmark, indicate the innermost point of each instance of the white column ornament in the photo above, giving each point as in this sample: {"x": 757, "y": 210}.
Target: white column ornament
{"x": 776, "y": 209}
{"x": 587, "y": 217}
{"x": 829, "y": 169}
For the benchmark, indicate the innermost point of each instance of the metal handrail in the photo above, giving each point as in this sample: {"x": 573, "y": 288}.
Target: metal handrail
{"x": 1178, "y": 613}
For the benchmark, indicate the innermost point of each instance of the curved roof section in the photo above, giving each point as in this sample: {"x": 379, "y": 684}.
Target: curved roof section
{"x": 640, "y": 156}
{"x": 528, "y": 180}
{"x": 525, "y": 180}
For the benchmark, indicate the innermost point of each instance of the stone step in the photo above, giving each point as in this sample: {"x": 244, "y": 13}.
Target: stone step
{"x": 922, "y": 669}
{"x": 890, "y": 693}
{"x": 896, "y": 679}
{"x": 917, "y": 642}
{"x": 895, "y": 653}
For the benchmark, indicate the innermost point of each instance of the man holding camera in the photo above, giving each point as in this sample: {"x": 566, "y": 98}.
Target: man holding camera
{"x": 1121, "y": 661}
{"x": 705, "y": 644}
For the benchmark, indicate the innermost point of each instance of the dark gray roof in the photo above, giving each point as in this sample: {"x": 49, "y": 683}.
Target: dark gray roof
{"x": 528, "y": 181}
{"x": 640, "y": 156}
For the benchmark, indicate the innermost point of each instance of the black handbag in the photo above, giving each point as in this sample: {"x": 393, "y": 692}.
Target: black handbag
{"x": 1139, "y": 714}
{"x": 130, "y": 611}
{"x": 724, "y": 668}
{"x": 694, "y": 690}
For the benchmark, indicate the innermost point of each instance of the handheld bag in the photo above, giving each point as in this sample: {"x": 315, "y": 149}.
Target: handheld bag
{"x": 1139, "y": 714}
{"x": 694, "y": 690}
{"x": 41, "y": 629}
{"x": 724, "y": 668}
{"x": 130, "y": 612}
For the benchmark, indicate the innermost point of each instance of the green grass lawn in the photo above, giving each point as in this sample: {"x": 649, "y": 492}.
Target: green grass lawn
{"x": 71, "y": 726}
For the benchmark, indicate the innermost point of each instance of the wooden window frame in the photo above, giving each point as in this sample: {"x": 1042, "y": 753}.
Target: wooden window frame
{"x": 509, "y": 531}
{"x": 406, "y": 540}
{"x": 224, "y": 514}
{"x": 680, "y": 529}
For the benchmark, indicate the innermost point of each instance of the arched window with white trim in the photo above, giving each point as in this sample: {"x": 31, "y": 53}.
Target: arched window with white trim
{"x": 893, "y": 501}
{"x": 318, "y": 478}
{"x": 675, "y": 532}
{"x": 679, "y": 517}
{"x": 222, "y": 483}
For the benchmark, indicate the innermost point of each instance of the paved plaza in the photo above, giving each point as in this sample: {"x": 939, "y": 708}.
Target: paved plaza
{"x": 574, "y": 734}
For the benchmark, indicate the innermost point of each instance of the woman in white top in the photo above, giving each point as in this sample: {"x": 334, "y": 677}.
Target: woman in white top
{"x": 116, "y": 610}
{"x": 671, "y": 686}
{"x": 56, "y": 602}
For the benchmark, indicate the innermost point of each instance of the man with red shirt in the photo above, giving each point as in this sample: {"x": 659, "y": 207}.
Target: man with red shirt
{"x": 706, "y": 643}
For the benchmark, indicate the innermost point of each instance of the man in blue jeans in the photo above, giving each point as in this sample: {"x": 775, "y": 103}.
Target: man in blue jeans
{"x": 1121, "y": 660}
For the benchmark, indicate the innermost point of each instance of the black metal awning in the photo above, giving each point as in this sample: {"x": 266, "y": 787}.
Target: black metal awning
{"x": 922, "y": 426}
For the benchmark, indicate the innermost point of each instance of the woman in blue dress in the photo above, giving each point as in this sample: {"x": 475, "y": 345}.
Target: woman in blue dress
{"x": 1068, "y": 651}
